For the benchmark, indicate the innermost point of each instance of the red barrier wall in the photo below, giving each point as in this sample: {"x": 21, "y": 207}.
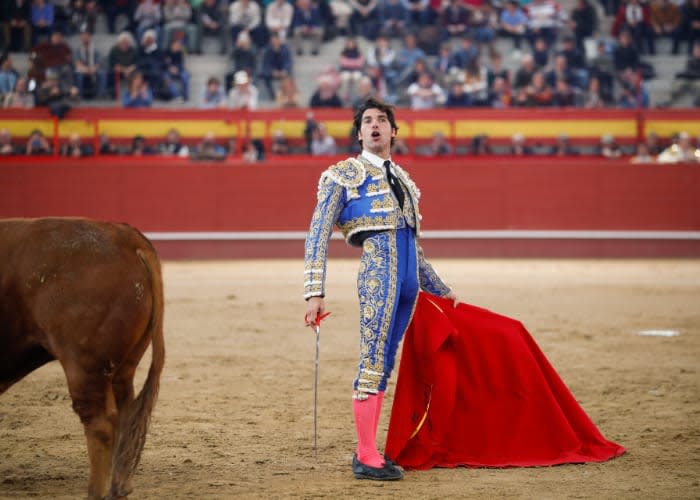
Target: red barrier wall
{"x": 465, "y": 193}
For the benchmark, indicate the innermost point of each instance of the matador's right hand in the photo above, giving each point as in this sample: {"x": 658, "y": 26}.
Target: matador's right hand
{"x": 315, "y": 307}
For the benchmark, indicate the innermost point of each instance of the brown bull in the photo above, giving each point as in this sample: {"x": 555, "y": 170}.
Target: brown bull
{"x": 90, "y": 295}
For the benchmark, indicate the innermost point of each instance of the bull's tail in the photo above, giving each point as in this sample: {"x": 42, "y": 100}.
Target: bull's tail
{"x": 134, "y": 420}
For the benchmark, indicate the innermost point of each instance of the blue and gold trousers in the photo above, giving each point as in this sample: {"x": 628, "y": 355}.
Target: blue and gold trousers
{"x": 387, "y": 285}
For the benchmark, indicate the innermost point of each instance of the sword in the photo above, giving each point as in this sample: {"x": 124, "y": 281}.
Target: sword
{"x": 317, "y": 329}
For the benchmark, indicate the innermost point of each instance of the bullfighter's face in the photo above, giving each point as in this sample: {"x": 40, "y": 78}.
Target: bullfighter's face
{"x": 376, "y": 132}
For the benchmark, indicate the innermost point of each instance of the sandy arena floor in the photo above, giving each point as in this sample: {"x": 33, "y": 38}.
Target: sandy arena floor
{"x": 234, "y": 417}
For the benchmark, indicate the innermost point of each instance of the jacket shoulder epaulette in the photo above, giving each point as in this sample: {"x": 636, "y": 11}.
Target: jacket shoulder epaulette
{"x": 349, "y": 173}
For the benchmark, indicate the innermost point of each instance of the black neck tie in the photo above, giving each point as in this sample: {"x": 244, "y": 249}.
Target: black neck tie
{"x": 394, "y": 183}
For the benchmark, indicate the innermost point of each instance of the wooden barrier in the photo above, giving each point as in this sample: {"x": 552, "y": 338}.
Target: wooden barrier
{"x": 538, "y": 125}
{"x": 472, "y": 206}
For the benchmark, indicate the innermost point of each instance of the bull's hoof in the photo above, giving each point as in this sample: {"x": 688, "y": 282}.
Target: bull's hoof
{"x": 116, "y": 495}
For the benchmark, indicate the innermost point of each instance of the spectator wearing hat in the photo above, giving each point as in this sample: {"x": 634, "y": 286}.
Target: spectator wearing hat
{"x": 17, "y": 25}
{"x": 89, "y": 67}
{"x": 243, "y": 95}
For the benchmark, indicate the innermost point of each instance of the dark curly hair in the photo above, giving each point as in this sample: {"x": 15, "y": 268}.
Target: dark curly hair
{"x": 372, "y": 103}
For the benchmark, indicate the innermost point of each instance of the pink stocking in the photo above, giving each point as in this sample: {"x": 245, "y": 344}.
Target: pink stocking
{"x": 366, "y": 413}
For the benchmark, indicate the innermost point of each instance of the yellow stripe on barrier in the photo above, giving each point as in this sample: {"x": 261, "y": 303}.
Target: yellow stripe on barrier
{"x": 68, "y": 127}
{"x": 666, "y": 128}
{"x": 546, "y": 128}
{"x": 424, "y": 129}
{"x": 22, "y": 128}
{"x": 158, "y": 128}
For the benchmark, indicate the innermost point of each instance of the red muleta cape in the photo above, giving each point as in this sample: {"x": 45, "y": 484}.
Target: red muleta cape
{"x": 475, "y": 390}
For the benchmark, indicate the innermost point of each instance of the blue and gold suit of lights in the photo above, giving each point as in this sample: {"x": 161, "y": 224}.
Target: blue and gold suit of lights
{"x": 355, "y": 195}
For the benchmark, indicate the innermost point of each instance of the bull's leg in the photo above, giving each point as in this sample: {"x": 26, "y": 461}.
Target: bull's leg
{"x": 93, "y": 401}
{"x": 123, "y": 386}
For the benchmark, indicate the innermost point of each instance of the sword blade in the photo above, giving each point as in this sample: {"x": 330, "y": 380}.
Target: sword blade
{"x": 316, "y": 363}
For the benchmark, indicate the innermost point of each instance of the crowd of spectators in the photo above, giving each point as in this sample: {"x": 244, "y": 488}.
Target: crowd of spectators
{"x": 423, "y": 54}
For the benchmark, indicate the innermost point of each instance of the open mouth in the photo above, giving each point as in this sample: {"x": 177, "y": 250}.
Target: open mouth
{"x": 376, "y": 134}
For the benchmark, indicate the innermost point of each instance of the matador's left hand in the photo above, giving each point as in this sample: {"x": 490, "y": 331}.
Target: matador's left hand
{"x": 451, "y": 295}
